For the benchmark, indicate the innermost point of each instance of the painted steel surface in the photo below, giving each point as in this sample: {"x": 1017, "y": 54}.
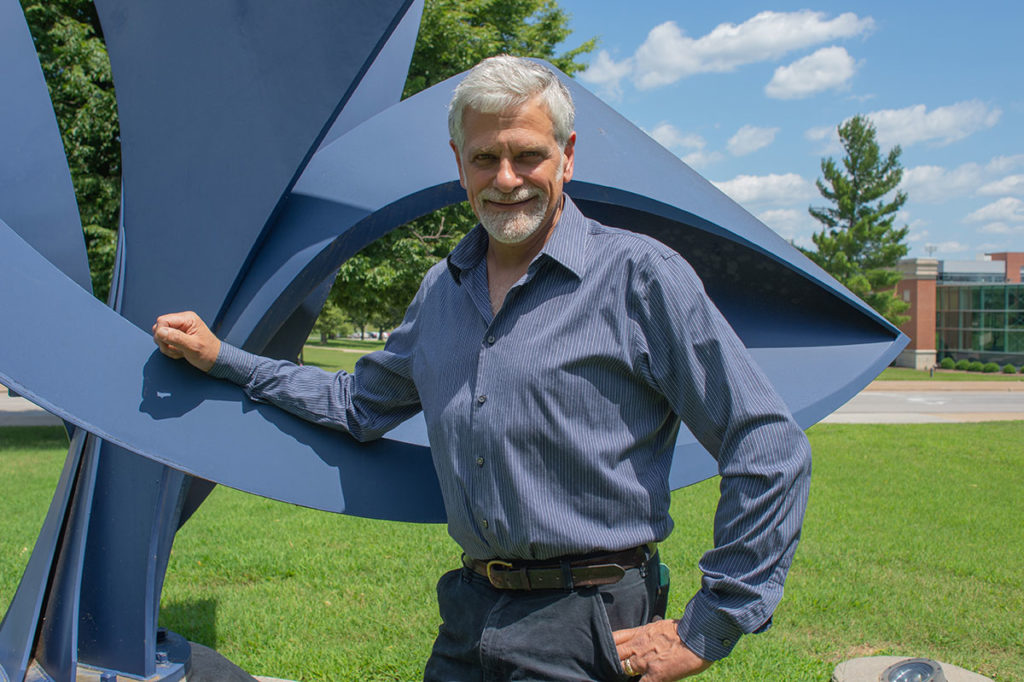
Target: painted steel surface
{"x": 255, "y": 163}
{"x": 36, "y": 195}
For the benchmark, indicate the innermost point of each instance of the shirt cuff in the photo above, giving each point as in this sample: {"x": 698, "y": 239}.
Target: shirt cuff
{"x": 707, "y": 632}
{"x": 233, "y": 364}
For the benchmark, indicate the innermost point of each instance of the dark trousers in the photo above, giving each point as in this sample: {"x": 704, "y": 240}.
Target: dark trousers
{"x": 488, "y": 634}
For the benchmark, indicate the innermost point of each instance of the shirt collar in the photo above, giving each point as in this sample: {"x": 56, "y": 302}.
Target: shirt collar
{"x": 566, "y": 246}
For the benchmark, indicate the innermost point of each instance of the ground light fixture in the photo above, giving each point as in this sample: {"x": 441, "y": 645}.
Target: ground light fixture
{"x": 913, "y": 670}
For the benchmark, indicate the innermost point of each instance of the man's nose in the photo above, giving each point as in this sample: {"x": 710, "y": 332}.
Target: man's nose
{"x": 507, "y": 179}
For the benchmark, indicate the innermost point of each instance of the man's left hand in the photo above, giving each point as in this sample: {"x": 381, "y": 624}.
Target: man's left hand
{"x": 655, "y": 652}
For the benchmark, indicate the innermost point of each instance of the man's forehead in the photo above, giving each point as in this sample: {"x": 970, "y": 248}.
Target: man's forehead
{"x": 529, "y": 119}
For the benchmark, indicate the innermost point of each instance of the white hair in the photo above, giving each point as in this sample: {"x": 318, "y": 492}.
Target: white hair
{"x": 500, "y": 83}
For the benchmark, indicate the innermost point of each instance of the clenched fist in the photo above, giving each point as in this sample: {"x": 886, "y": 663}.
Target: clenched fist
{"x": 185, "y": 335}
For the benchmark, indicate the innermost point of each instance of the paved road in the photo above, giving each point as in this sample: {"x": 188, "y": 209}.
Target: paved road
{"x": 883, "y": 402}
{"x": 933, "y": 402}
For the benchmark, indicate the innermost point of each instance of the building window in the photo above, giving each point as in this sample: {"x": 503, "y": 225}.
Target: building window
{"x": 980, "y": 322}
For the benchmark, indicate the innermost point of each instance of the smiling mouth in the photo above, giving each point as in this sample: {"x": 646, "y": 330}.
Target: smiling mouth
{"x": 508, "y": 205}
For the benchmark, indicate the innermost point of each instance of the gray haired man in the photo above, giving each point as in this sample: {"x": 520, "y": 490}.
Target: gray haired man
{"x": 555, "y": 359}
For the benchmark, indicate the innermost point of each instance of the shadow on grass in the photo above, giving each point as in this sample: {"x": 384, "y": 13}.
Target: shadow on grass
{"x": 195, "y": 620}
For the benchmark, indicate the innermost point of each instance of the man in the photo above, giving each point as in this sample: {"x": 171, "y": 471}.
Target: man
{"x": 554, "y": 359}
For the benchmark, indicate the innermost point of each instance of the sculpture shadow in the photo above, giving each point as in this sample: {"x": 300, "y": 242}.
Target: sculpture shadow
{"x": 194, "y": 619}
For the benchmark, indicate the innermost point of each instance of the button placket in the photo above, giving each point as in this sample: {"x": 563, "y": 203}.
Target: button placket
{"x": 481, "y": 476}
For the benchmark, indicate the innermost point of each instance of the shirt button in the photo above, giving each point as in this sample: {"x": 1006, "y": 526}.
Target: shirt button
{"x": 481, "y": 399}
{"x": 491, "y": 340}
{"x": 727, "y": 643}
{"x": 484, "y": 523}
{"x": 479, "y": 461}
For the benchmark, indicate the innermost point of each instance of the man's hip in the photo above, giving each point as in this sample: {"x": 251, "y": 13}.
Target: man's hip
{"x": 489, "y": 633}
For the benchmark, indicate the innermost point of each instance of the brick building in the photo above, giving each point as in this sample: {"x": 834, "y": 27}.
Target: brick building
{"x": 970, "y": 310}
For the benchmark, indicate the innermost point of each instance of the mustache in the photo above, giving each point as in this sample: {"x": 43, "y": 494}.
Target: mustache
{"x": 520, "y": 194}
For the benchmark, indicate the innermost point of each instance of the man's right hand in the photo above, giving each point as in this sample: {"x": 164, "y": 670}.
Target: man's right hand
{"x": 185, "y": 335}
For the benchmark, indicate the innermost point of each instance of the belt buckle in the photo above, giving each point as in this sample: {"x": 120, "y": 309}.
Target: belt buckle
{"x": 490, "y": 566}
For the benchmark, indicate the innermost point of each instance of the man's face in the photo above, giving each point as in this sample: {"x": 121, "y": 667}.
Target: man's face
{"x": 513, "y": 170}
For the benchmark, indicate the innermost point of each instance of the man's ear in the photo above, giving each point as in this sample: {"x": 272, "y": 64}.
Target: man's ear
{"x": 458, "y": 162}
{"x": 570, "y": 156}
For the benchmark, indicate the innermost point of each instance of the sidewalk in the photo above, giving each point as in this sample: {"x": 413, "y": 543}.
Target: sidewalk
{"x": 21, "y": 412}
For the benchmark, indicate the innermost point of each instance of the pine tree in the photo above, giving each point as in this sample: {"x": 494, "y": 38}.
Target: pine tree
{"x": 858, "y": 244}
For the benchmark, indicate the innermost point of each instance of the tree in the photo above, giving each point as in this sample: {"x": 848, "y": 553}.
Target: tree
{"x": 330, "y": 322}
{"x": 69, "y": 43}
{"x": 858, "y": 244}
{"x": 454, "y": 35}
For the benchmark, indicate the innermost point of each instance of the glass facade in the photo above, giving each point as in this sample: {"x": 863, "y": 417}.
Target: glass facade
{"x": 980, "y": 322}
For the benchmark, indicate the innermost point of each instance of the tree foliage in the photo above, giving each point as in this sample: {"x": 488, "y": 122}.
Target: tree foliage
{"x": 330, "y": 322}
{"x": 858, "y": 244}
{"x": 456, "y": 34}
{"x": 375, "y": 286}
{"x": 74, "y": 60}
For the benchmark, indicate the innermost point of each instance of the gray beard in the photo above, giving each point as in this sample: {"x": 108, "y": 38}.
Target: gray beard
{"x": 517, "y": 227}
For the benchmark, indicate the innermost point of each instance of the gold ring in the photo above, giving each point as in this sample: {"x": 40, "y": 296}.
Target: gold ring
{"x": 627, "y": 668}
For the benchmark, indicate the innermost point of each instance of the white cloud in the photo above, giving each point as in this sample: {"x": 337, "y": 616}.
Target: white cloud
{"x": 1011, "y": 184}
{"x": 1007, "y": 209}
{"x": 935, "y": 184}
{"x": 606, "y": 73}
{"x": 670, "y": 137}
{"x": 778, "y": 190}
{"x": 950, "y": 247}
{"x": 828, "y": 68}
{"x": 749, "y": 139}
{"x": 791, "y": 224}
{"x": 668, "y": 54}
{"x": 701, "y": 158}
{"x": 820, "y": 133}
{"x": 1001, "y": 228}
{"x": 941, "y": 126}
{"x": 1005, "y": 164}
{"x": 692, "y": 146}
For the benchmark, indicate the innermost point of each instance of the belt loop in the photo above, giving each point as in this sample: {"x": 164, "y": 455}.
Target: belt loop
{"x": 567, "y": 583}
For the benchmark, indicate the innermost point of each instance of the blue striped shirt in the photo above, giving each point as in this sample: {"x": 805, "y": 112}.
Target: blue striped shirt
{"x": 552, "y": 423}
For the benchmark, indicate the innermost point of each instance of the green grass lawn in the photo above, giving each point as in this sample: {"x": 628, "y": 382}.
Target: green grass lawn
{"x": 906, "y": 374}
{"x": 912, "y": 546}
{"x": 338, "y": 353}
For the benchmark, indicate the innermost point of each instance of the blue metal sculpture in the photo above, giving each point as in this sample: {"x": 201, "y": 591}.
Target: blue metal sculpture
{"x": 253, "y": 166}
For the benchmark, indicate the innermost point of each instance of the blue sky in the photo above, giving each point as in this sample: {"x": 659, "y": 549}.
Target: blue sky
{"x": 750, "y": 94}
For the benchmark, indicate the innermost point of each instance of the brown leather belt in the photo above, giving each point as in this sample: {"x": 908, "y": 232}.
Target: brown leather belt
{"x": 560, "y": 574}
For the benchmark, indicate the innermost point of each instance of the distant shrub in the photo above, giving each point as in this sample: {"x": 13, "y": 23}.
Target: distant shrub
{"x": 963, "y": 364}
{"x": 1009, "y": 369}
{"x": 975, "y": 366}
{"x": 948, "y": 363}
{"x": 990, "y": 367}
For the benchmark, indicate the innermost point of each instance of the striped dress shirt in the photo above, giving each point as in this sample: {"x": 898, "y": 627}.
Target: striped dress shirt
{"x": 552, "y": 423}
